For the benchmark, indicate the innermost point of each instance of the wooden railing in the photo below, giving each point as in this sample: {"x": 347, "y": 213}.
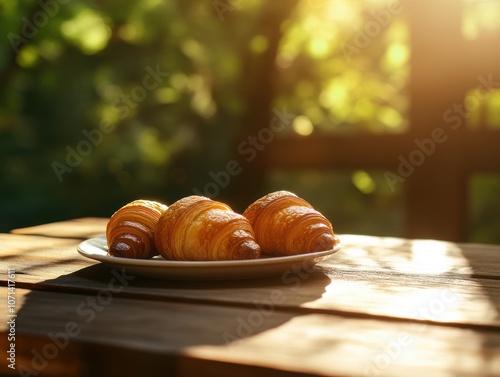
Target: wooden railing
{"x": 434, "y": 159}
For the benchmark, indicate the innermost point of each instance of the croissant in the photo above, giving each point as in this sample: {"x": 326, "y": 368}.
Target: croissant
{"x": 198, "y": 228}
{"x": 130, "y": 230}
{"x": 285, "y": 224}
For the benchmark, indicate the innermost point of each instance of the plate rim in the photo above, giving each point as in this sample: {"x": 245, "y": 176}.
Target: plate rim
{"x": 157, "y": 263}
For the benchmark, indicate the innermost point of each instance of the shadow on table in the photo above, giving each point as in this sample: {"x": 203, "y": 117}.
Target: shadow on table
{"x": 120, "y": 324}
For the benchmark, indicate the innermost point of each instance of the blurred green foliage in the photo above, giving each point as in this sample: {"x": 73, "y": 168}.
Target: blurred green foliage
{"x": 103, "y": 102}
{"x": 85, "y": 65}
{"x": 485, "y": 207}
{"x": 70, "y": 69}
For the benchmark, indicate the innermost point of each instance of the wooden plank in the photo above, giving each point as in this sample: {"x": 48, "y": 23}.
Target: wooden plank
{"x": 363, "y": 253}
{"x": 430, "y": 206}
{"x": 337, "y": 151}
{"x": 40, "y": 256}
{"x": 371, "y": 276}
{"x": 418, "y": 256}
{"x": 359, "y": 252}
{"x": 436, "y": 200}
{"x": 234, "y": 340}
{"x": 82, "y": 228}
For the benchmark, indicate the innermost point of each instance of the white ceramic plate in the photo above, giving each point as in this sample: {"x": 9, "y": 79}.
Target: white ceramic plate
{"x": 157, "y": 267}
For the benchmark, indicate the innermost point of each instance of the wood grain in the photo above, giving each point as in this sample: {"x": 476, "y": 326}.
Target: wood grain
{"x": 381, "y": 306}
{"x": 394, "y": 287}
{"x": 419, "y": 256}
{"x": 387, "y": 254}
{"x": 185, "y": 337}
{"x": 82, "y": 228}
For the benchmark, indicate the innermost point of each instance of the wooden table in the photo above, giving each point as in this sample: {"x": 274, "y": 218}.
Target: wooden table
{"x": 379, "y": 307}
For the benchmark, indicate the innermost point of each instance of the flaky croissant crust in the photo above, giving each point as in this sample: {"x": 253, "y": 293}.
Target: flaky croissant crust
{"x": 198, "y": 228}
{"x": 288, "y": 225}
{"x": 130, "y": 230}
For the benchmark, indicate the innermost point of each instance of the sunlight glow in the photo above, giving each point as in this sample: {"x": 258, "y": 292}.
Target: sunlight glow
{"x": 27, "y": 57}
{"x": 365, "y": 109}
{"x": 314, "y": 113}
{"x": 431, "y": 257}
{"x": 166, "y": 95}
{"x": 193, "y": 49}
{"x": 362, "y": 86}
{"x": 342, "y": 11}
{"x": 151, "y": 149}
{"x": 493, "y": 108}
{"x": 390, "y": 117}
{"x": 480, "y": 17}
{"x": 302, "y": 125}
{"x": 363, "y": 182}
{"x": 483, "y": 108}
{"x": 88, "y": 30}
{"x": 318, "y": 47}
{"x": 336, "y": 93}
{"x": 396, "y": 56}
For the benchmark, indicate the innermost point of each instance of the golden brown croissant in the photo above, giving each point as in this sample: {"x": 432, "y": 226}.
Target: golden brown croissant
{"x": 285, "y": 224}
{"x": 198, "y": 228}
{"x": 130, "y": 231}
